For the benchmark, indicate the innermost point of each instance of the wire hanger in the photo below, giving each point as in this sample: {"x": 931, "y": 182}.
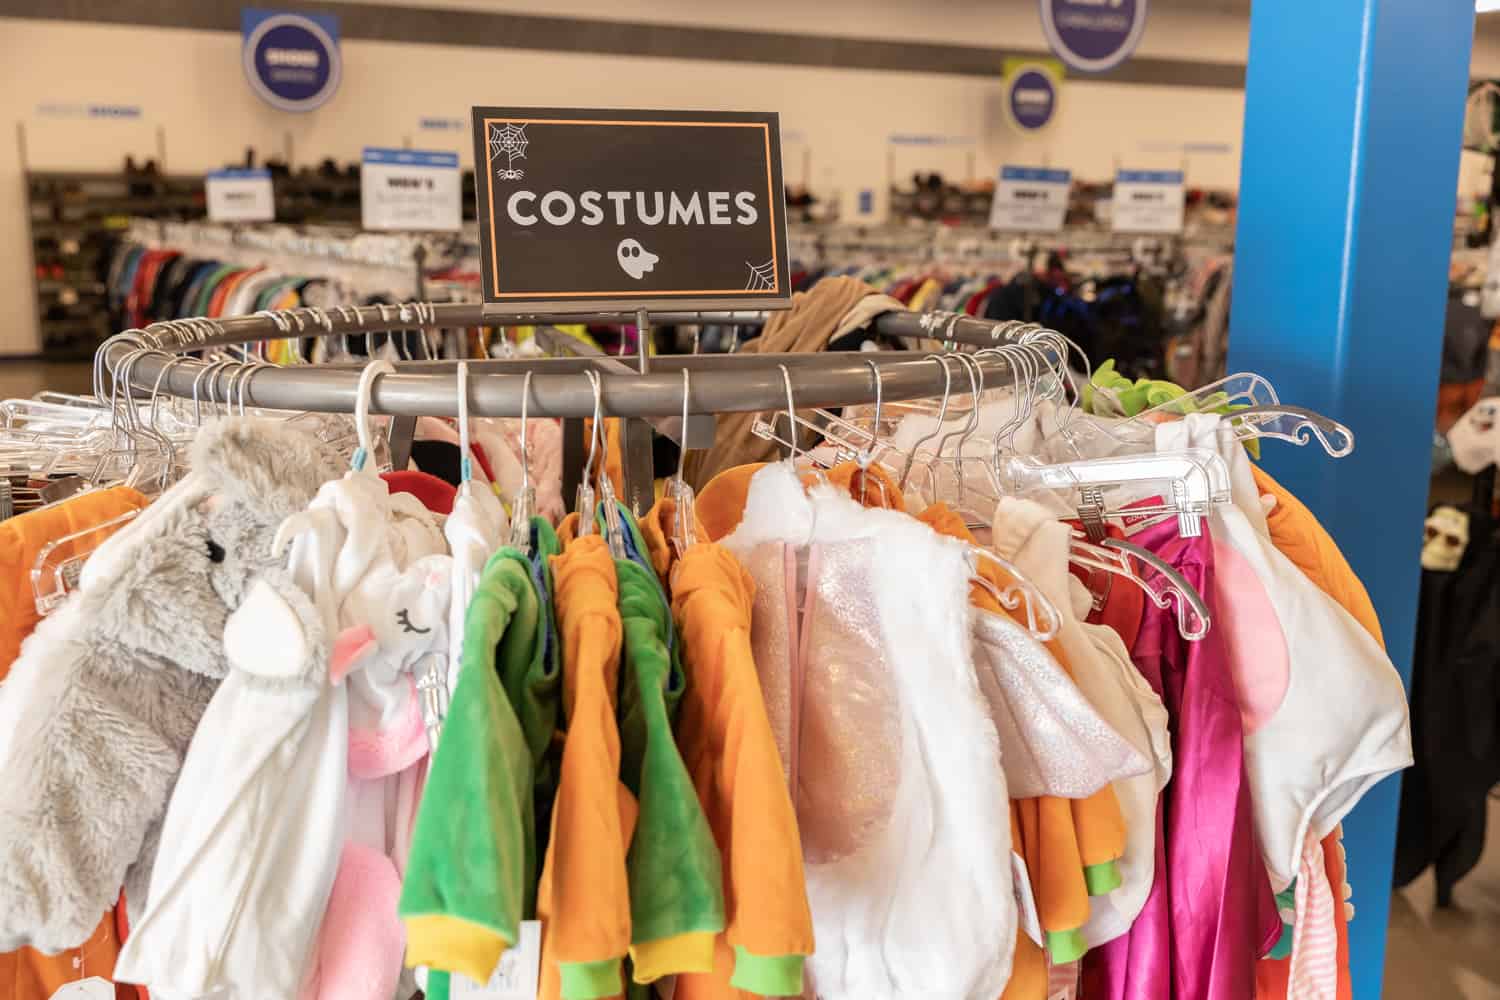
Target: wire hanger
{"x": 684, "y": 534}
{"x": 525, "y": 501}
{"x": 584, "y": 502}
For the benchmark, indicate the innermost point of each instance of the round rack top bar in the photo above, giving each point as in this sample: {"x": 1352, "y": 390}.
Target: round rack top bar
{"x": 718, "y": 383}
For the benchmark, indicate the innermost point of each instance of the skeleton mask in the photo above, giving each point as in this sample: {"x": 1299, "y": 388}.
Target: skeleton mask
{"x": 1447, "y": 536}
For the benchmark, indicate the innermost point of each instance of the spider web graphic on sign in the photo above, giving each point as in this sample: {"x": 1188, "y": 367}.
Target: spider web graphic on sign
{"x": 510, "y": 141}
{"x": 762, "y": 276}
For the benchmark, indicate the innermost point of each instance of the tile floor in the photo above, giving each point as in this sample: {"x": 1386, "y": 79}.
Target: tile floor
{"x": 1451, "y": 954}
{"x": 1432, "y": 954}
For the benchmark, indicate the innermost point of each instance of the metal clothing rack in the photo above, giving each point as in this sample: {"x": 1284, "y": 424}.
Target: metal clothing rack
{"x": 150, "y": 360}
{"x": 719, "y": 383}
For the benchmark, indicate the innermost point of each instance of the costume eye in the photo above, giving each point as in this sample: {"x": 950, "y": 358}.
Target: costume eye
{"x": 403, "y": 618}
{"x": 215, "y": 551}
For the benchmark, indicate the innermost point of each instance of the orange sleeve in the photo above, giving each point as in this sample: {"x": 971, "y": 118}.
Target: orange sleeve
{"x": 1302, "y": 539}
{"x": 589, "y": 931}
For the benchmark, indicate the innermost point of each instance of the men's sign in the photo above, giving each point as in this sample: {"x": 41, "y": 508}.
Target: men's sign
{"x": 584, "y": 210}
{"x": 410, "y": 189}
{"x": 1031, "y": 199}
{"x": 1147, "y": 201}
{"x": 240, "y": 195}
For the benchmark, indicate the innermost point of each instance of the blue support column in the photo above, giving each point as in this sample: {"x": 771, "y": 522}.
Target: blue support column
{"x": 1353, "y": 120}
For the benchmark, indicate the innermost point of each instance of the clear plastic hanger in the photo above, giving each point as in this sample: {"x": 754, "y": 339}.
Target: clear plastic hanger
{"x": 59, "y": 563}
{"x": 1191, "y": 479}
{"x": 1295, "y": 424}
{"x": 1185, "y": 474}
{"x": 1171, "y": 593}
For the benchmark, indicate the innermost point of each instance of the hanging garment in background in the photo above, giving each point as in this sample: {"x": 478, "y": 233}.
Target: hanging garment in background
{"x": 1455, "y": 680}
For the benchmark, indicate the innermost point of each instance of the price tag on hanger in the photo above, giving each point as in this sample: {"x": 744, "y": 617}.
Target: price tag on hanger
{"x": 515, "y": 975}
{"x": 1031, "y": 199}
{"x": 1147, "y": 201}
{"x": 591, "y": 210}
{"x": 240, "y": 195}
{"x": 1026, "y": 911}
{"x": 92, "y": 988}
{"x": 409, "y": 189}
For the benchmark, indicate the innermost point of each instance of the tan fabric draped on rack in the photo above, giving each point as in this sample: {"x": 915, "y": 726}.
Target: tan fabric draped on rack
{"x": 816, "y": 317}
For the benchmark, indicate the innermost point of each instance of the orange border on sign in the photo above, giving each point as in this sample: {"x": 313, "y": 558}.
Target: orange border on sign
{"x": 489, "y": 186}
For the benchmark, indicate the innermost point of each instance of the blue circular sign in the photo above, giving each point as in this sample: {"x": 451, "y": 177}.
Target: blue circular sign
{"x": 1092, "y": 36}
{"x": 1030, "y": 98}
{"x": 292, "y": 62}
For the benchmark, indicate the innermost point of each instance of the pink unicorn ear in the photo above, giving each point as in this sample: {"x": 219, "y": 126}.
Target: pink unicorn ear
{"x": 352, "y": 645}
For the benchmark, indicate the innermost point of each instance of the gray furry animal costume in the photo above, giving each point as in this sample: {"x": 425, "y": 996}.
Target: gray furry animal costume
{"x": 101, "y": 705}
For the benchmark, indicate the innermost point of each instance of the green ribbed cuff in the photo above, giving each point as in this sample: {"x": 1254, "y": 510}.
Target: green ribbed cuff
{"x": 438, "y": 985}
{"x": 1066, "y": 946}
{"x": 767, "y": 975}
{"x": 591, "y": 980}
{"x": 1102, "y": 879}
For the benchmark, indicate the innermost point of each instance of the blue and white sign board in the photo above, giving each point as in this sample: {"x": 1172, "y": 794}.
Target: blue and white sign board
{"x": 1030, "y": 96}
{"x": 291, "y": 60}
{"x": 1092, "y": 36}
{"x": 410, "y": 189}
{"x": 240, "y": 195}
{"x": 1031, "y": 199}
{"x": 1147, "y": 201}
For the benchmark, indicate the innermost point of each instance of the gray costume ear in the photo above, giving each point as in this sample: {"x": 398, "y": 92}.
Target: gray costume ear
{"x": 264, "y": 464}
{"x": 114, "y": 683}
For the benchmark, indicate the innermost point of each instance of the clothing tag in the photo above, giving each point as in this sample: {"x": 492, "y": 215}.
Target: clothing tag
{"x": 1020, "y": 886}
{"x": 515, "y": 975}
{"x": 92, "y": 988}
{"x": 1062, "y": 981}
{"x": 1133, "y": 524}
{"x": 60, "y": 489}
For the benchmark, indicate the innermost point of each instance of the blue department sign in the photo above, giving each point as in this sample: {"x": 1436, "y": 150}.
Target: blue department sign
{"x": 1092, "y": 36}
{"x": 291, "y": 60}
{"x": 1031, "y": 90}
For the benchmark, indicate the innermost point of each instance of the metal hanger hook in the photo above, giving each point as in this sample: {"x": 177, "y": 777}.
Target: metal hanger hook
{"x": 682, "y": 450}
{"x": 911, "y": 456}
{"x": 525, "y": 456}
{"x": 791, "y": 414}
{"x": 594, "y": 431}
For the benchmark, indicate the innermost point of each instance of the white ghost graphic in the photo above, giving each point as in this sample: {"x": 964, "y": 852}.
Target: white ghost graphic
{"x": 635, "y": 260}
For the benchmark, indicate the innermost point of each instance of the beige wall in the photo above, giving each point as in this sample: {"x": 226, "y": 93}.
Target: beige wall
{"x": 835, "y": 122}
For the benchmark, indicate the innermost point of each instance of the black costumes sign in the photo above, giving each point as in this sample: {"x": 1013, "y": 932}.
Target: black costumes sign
{"x": 600, "y": 210}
